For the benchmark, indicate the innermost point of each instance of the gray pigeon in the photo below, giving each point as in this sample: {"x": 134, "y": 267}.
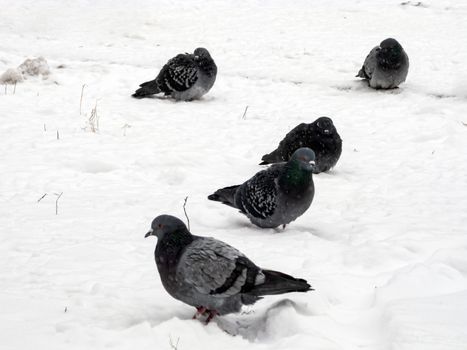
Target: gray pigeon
{"x": 211, "y": 275}
{"x": 386, "y": 66}
{"x": 277, "y": 195}
{"x": 185, "y": 77}
{"x": 321, "y": 136}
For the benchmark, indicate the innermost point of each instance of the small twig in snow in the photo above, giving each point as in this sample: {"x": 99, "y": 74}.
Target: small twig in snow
{"x": 93, "y": 120}
{"x": 186, "y": 215}
{"x": 5, "y": 89}
{"x": 14, "y": 88}
{"x": 58, "y": 135}
{"x": 124, "y": 127}
{"x": 81, "y": 99}
{"x": 244, "y": 113}
{"x": 56, "y": 202}
{"x": 45, "y": 194}
{"x": 172, "y": 345}
{"x": 45, "y": 127}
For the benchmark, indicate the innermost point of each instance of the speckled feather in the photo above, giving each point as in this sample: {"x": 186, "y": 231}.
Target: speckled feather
{"x": 257, "y": 197}
{"x": 275, "y": 196}
{"x": 185, "y": 77}
{"x": 327, "y": 148}
{"x": 179, "y": 74}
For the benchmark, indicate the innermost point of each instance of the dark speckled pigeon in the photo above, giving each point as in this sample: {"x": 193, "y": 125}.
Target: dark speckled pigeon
{"x": 277, "y": 195}
{"x": 386, "y": 66}
{"x": 185, "y": 77}
{"x": 321, "y": 136}
{"x": 211, "y": 275}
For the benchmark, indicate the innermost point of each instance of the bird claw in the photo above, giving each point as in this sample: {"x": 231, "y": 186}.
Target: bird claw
{"x": 202, "y": 311}
{"x": 212, "y": 314}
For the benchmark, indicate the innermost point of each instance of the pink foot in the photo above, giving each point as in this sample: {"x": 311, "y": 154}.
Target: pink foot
{"x": 211, "y": 315}
{"x": 200, "y": 310}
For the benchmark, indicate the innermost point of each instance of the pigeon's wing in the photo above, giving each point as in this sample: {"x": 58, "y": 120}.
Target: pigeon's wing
{"x": 179, "y": 74}
{"x": 369, "y": 65}
{"x": 294, "y": 139}
{"x": 215, "y": 268}
{"x": 291, "y": 142}
{"x": 257, "y": 197}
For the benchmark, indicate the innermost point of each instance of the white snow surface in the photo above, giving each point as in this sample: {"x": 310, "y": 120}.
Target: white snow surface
{"x": 384, "y": 243}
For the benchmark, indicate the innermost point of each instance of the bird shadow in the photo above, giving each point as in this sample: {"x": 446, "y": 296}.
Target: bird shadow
{"x": 241, "y": 224}
{"x": 253, "y": 326}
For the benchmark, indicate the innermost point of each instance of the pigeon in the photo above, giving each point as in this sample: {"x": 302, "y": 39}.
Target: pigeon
{"x": 386, "y": 66}
{"x": 321, "y": 136}
{"x": 277, "y": 195}
{"x": 185, "y": 77}
{"x": 211, "y": 275}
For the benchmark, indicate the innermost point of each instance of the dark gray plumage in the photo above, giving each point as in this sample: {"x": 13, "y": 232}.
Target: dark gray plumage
{"x": 321, "y": 136}
{"x": 185, "y": 77}
{"x": 386, "y": 66}
{"x": 277, "y": 195}
{"x": 209, "y": 274}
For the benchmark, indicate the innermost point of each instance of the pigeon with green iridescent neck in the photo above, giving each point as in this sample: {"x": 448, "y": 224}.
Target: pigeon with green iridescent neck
{"x": 277, "y": 195}
{"x": 211, "y": 275}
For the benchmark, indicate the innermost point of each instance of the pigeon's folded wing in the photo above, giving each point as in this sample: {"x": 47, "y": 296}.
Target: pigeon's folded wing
{"x": 370, "y": 63}
{"x": 215, "y": 268}
{"x": 179, "y": 74}
{"x": 257, "y": 196}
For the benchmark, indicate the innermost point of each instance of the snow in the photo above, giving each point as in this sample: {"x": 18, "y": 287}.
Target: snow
{"x": 384, "y": 243}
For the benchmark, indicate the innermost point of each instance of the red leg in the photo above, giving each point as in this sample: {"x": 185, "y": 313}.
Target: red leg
{"x": 211, "y": 314}
{"x": 200, "y": 310}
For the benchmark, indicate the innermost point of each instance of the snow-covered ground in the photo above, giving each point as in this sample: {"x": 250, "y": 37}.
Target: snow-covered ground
{"x": 384, "y": 243}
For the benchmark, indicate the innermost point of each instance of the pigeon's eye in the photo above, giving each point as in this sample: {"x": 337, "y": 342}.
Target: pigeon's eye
{"x": 160, "y": 226}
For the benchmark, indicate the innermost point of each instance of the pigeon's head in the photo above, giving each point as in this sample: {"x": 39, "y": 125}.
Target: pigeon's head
{"x": 165, "y": 224}
{"x": 325, "y": 126}
{"x": 390, "y": 53}
{"x": 389, "y": 44}
{"x": 305, "y": 158}
{"x": 201, "y": 53}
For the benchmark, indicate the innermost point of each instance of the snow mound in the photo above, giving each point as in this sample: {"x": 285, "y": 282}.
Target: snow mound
{"x": 35, "y": 67}
{"x": 11, "y": 76}
{"x": 31, "y": 67}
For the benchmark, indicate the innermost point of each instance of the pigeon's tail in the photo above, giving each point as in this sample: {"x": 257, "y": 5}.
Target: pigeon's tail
{"x": 279, "y": 283}
{"x": 362, "y": 74}
{"x": 225, "y": 195}
{"x": 146, "y": 89}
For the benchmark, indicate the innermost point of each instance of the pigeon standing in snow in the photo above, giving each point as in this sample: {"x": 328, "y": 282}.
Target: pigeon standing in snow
{"x": 321, "y": 136}
{"x": 274, "y": 196}
{"x": 386, "y": 66}
{"x": 185, "y": 77}
{"x": 211, "y": 275}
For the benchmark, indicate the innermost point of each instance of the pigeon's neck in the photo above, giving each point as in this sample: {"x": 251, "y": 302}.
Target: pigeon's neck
{"x": 208, "y": 66}
{"x": 296, "y": 177}
{"x": 390, "y": 60}
{"x": 172, "y": 245}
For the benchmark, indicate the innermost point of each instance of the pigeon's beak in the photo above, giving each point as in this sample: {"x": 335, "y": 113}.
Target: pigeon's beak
{"x": 312, "y": 163}
{"x": 149, "y": 233}
{"x": 196, "y": 57}
{"x": 327, "y": 131}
